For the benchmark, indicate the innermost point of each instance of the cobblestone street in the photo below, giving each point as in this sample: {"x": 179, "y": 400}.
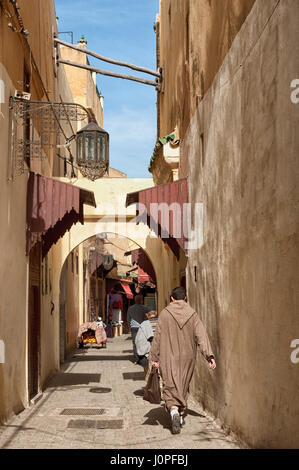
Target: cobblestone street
{"x": 96, "y": 402}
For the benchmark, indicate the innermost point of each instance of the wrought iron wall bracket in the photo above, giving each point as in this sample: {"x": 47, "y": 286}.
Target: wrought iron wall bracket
{"x": 37, "y": 126}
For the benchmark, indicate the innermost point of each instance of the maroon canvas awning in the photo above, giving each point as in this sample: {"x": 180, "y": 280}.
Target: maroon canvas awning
{"x": 140, "y": 258}
{"x": 52, "y": 208}
{"x": 127, "y": 290}
{"x": 162, "y": 209}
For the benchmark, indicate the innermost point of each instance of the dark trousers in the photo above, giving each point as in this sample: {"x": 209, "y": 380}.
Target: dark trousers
{"x": 134, "y": 332}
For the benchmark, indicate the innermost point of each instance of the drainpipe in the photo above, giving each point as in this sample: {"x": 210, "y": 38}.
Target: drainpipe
{"x": 157, "y": 31}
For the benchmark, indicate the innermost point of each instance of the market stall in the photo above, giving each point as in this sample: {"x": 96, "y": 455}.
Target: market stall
{"x": 91, "y": 334}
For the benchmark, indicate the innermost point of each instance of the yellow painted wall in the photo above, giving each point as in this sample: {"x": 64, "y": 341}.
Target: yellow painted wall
{"x": 82, "y": 82}
{"x": 14, "y": 54}
{"x": 47, "y": 82}
{"x": 13, "y": 269}
{"x": 246, "y": 176}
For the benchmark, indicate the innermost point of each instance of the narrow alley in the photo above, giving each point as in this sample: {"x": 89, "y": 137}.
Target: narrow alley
{"x": 149, "y": 217}
{"x": 96, "y": 402}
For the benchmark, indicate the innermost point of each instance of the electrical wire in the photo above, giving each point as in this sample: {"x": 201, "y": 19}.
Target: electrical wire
{"x": 24, "y": 34}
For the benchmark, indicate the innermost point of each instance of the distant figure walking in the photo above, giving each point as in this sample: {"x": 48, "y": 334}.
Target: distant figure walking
{"x": 178, "y": 333}
{"x": 116, "y": 306}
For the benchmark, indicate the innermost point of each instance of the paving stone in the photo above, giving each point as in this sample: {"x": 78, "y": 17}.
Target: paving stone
{"x": 106, "y": 379}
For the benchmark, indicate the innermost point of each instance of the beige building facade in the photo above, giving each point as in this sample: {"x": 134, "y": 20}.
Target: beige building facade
{"x": 42, "y": 298}
{"x": 26, "y": 65}
{"x": 28, "y": 311}
{"x": 83, "y": 82}
{"x": 193, "y": 37}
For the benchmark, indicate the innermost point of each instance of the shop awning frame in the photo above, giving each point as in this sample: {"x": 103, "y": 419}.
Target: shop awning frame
{"x": 165, "y": 194}
{"x": 140, "y": 258}
{"x": 53, "y": 207}
{"x": 127, "y": 290}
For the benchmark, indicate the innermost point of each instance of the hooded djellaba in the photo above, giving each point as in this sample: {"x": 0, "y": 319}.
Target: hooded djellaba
{"x": 178, "y": 334}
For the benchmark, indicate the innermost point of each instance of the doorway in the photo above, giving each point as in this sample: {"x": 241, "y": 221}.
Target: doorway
{"x": 34, "y": 322}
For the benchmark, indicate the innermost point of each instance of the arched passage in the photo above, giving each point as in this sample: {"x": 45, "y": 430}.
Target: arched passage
{"x": 110, "y": 216}
{"x": 86, "y": 282}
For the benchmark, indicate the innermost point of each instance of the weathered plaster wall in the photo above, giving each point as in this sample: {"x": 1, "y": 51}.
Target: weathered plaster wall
{"x": 40, "y": 21}
{"x": 195, "y": 36}
{"x": 13, "y": 272}
{"x": 247, "y": 287}
{"x": 13, "y": 262}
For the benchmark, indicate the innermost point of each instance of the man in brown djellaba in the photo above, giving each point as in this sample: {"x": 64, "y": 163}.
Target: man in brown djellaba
{"x": 178, "y": 334}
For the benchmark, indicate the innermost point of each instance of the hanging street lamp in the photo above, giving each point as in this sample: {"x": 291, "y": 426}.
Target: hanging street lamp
{"x": 92, "y": 151}
{"x": 92, "y": 141}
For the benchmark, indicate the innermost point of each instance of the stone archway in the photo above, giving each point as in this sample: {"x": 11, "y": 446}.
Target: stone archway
{"x": 80, "y": 292}
{"x": 112, "y": 216}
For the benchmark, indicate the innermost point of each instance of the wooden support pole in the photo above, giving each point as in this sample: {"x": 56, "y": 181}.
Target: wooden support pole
{"x": 110, "y": 74}
{"x": 106, "y": 59}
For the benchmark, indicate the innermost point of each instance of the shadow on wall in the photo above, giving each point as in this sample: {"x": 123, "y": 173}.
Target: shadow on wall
{"x": 168, "y": 269}
{"x": 1, "y": 395}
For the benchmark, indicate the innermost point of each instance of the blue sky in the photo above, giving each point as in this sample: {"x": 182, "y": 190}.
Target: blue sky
{"x": 123, "y": 30}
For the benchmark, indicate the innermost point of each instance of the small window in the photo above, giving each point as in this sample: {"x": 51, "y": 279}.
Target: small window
{"x": 202, "y": 84}
{"x": 46, "y": 275}
{"x": 50, "y": 281}
{"x": 187, "y": 37}
{"x": 43, "y": 278}
{"x": 202, "y": 149}
{"x": 195, "y": 273}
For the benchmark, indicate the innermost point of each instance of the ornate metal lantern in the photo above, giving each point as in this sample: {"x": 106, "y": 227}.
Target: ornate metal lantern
{"x": 92, "y": 151}
{"x": 37, "y": 125}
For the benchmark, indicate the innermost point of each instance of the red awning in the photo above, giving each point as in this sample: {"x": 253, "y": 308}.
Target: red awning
{"x": 127, "y": 290}
{"x": 163, "y": 209}
{"x": 143, "y": 276}
{"x": 52, "y": 208}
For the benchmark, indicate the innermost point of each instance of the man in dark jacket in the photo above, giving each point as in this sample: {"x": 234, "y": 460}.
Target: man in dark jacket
{"x": 178, "y": 334}
{"x": 135, "y": 316}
